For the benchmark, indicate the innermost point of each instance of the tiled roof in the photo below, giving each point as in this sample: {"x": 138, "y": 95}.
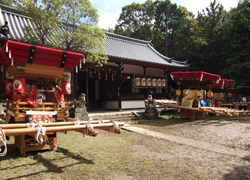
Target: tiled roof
{"x": 123, "y": 47}
{"x": 117, "y": 46}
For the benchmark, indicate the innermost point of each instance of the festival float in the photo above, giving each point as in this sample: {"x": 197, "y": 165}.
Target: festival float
{"x": 37, "y": 80}
{"x": 195, "y": 95}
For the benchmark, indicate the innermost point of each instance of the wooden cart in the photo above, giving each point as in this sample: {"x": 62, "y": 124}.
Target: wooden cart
{"x": 39, "y": 66}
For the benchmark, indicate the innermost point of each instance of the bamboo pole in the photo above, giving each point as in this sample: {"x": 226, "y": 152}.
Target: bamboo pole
{"x": 15, "y": 132}
{"x": 24, "y": 125}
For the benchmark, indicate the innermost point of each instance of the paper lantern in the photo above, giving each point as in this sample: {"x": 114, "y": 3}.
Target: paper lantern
{"x": 178, "y": 92}
{"x": 158, "y": 82}
{"x": 163, "y": 82}
{"x": 137, "y": 81}
{"x": 149, "y": 83}
{"x": 19, "y": 85}
{"x": 210, "y": 94}
{"x": 8, "y": 87}
{"x": 65, "y": 86}
{"x": 143, "y": 81}
{"x": 154, "y": 82}
{"x": 229, "y": 95}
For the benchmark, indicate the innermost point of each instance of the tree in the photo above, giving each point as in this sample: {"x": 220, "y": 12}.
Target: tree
{"x": 45, "y": 19}
{"x": 81, "y": 33}
{"x": 237, "y": 42}
{"x": 183, "y": 39}
{"x": 69, "y": 25}
{"x": 7, "y": 2}
{"x": 208, "y": 55}
{"x": 167, "y": 18}
{"x": 170, "y": 28}
{"x": 136, "y": 20}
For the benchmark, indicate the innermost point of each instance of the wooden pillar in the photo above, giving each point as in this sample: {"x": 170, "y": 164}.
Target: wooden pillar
{"x": 167, "y": 86}
{"x": 119, "y": 92}
{"x": 144, "y": 70}
{"x": 87, "y": 88}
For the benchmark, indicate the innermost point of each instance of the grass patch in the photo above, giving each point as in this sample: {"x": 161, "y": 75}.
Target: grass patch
{"x": 80, "y": 156}
{"x": 106, "y": 156}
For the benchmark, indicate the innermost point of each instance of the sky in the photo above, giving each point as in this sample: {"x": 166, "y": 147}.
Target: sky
{"x": 110, "y": 10}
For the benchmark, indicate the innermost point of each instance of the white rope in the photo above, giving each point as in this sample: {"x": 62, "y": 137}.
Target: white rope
{"x": 88, "y": 128}
{"x": 30, "y": 125}
{"x": 115, "y": 125}
{"x": 3, "y": 142}
{"x": 40, "y": 134}
{"x": 100, "y": 121}
{"x": 77, "y": 122}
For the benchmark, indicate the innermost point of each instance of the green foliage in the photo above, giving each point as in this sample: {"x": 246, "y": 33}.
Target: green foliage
{"x": 136, "y": 20}
{"x": 7, "y": 2}
{"x": 162, "y": 22}
{"x": 237, "y": 43}
{"x": 82, "y": 35}
{"x": 45, "y": 18}
{"x": 65, "y": 24}
{"x": 167, "y": 19}
{"x": 207, "y": 55}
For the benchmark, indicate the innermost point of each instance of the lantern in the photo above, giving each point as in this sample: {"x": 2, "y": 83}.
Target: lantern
{"x": 149, "y": 83}
{"x": 229, "y": 95}
{"x": 178, "y": 92}
{"x": 8, "y": 87}
{"x": 19, "y": 85}
{"x": 143, "y": 81}
{"x": 163, "y": 82}
{"x": 210, "y": 94}
{"x": 137, "y": 81}
{"x": 154, "y": 82}
{"x": 65, "y": 86}
{"x": 158, "y": 82}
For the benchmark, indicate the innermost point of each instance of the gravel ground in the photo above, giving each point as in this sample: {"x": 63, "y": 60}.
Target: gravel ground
{"x": 180, "y": 161}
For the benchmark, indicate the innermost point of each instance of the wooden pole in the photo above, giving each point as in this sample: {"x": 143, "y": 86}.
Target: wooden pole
{"x": 23, "y": 125}
{"x": 196, "y": 109}
{"x": 22, "y": 131}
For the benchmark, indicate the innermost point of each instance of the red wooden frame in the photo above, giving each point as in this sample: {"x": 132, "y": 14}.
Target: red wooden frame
{"x": 21, "y": 52}
{"x": 197, "y": 75}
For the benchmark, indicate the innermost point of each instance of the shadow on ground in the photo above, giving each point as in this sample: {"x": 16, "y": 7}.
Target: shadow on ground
{"x": 239, "y": 172}
{"x": 48, "y": 163}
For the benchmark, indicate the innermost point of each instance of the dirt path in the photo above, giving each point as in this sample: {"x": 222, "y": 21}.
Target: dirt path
{"x": 190, "y": 142}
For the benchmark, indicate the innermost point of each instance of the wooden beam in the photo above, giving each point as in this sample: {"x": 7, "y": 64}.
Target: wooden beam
{"x": 22, "y": 131}
{"x": 72, "y": 122}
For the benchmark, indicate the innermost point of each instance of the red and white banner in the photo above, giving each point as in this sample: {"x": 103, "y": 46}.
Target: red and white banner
{"x": 19, "y": 85}
{"x": 66, "y": 88}
{"x": 8, "y": 87}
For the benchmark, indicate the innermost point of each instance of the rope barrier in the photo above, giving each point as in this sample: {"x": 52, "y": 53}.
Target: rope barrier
{"x": 3, "y": 142}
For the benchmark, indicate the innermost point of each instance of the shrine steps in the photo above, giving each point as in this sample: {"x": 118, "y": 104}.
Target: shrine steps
{"x": 117, "y": 116}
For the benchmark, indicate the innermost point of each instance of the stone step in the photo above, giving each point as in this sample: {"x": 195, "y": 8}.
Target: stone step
{"x": 116, "y": 116}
